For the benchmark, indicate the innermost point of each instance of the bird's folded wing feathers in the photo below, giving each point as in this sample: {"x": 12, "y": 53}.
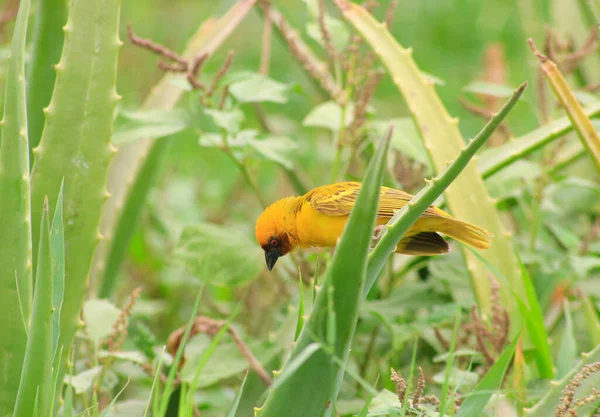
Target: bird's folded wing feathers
{"x": 338, "y": 200}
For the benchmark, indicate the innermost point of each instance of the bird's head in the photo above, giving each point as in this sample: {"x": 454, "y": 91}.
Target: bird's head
{"x": 273, "y": 234}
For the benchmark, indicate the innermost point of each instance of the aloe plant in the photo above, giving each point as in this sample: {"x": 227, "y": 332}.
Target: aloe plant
{"x": 75, "y": 145}
{"x": 443, "y": 141}
{"x": 403, "y": 219}
{"x": 135, "y": 165}
{"x": 15, "y": 242}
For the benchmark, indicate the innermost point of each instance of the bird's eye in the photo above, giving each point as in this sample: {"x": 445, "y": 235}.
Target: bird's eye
{"x": 274, "y": 242}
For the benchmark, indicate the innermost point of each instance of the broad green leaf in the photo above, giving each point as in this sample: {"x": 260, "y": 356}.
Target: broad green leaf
{"x": 340, "y": 35}
{"x": 489, "y": 89}
{"x": 225, "y": 362}
{"x": 406, "y": 138}
{"x": 131, "y": 126}
{"x": 275, "y": 148}
{"x": 230, "y": 120}
{"x": 464, "y": 380}
{"x": 100, "y": 317}
{"x": 256, "y": 88}
{"x": 328, "y": 115}
{"x": 127, "y": 408}
{"x": 225, "y": 255}
{"x": 536, "y": 327}
{"x": 478, "y": 399}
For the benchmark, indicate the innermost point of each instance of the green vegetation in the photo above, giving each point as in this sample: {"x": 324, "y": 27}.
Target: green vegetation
{"x": 141, "y": 140}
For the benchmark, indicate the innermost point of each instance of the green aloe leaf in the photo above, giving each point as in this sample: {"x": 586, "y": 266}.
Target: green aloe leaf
{"x": 311, "y": 389}
{"x": 50, "y": 17}
{"x": 35, "y": 389}
{"x": 467, "y": 197}
{"x": 15, "y": 220}
{"x": 405, "y": 218}
{"x": 478, "y": 399}
{"x": 75, "y": 146}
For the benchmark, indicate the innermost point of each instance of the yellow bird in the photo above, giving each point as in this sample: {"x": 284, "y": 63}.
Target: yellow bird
{"x": 317, "y": 219}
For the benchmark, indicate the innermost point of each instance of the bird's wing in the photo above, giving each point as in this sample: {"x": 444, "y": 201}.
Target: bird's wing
{"x": 338, "y": 200}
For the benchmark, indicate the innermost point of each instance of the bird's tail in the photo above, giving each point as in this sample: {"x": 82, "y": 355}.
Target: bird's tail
{"x": 467, "y": 233}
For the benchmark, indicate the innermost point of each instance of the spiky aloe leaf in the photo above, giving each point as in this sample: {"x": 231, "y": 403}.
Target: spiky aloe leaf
{"x": 467, "y": 197}
{"x": 582, "y": 123}
{"x": 35, "y": 389}
{"x": 310, "y": 389}
{"x": 405, "y": 218}
{"x": 15, "y": 223}
{"x": 75, "y": 144}
{"x": 135, "y": 166}
{"x": 50, "y": 17}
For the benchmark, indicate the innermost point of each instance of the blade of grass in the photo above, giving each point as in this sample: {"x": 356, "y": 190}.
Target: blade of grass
{"x": 57, "y": 246}
{"x": 36, "y": 379}
{"x": 238, "y": 397}
{"x": 449, "y": 363}
{"x": 467, "y": 198}
{"x": 536, "y": 328}
{"x": 478, "y": 399}
{"x": 15, "y": 219}
{"x": 583, "y": 125}
{"x": 155, "y": 382}
{"x": 591, "y": 319}
{"x": 405, "y": 218}
{"x": 567, "y": 351}
{"x": 300, "y": 320}
{"x": 169, "y": 384}
{"x": 312, "y": 388}
{"x": 135, "y": 166}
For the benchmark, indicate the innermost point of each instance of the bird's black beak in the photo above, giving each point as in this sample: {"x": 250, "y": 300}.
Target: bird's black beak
{"x": 271, "y": 256}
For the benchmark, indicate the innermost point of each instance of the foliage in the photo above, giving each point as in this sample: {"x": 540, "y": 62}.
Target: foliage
{"x": 130, "y": 279}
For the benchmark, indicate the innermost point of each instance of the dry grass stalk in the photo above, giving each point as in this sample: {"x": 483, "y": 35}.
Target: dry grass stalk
{"x": 119, "y": 332}
{"x": 569, "y": 404}
{"x": 192, "y": 68}
{"x": 489, "y": 339}
{"x": 418, "y": 399}
{"x": 211, "y": 327}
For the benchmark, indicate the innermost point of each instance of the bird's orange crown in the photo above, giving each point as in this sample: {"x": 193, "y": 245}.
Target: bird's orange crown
{"x": 274, "y": 231}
